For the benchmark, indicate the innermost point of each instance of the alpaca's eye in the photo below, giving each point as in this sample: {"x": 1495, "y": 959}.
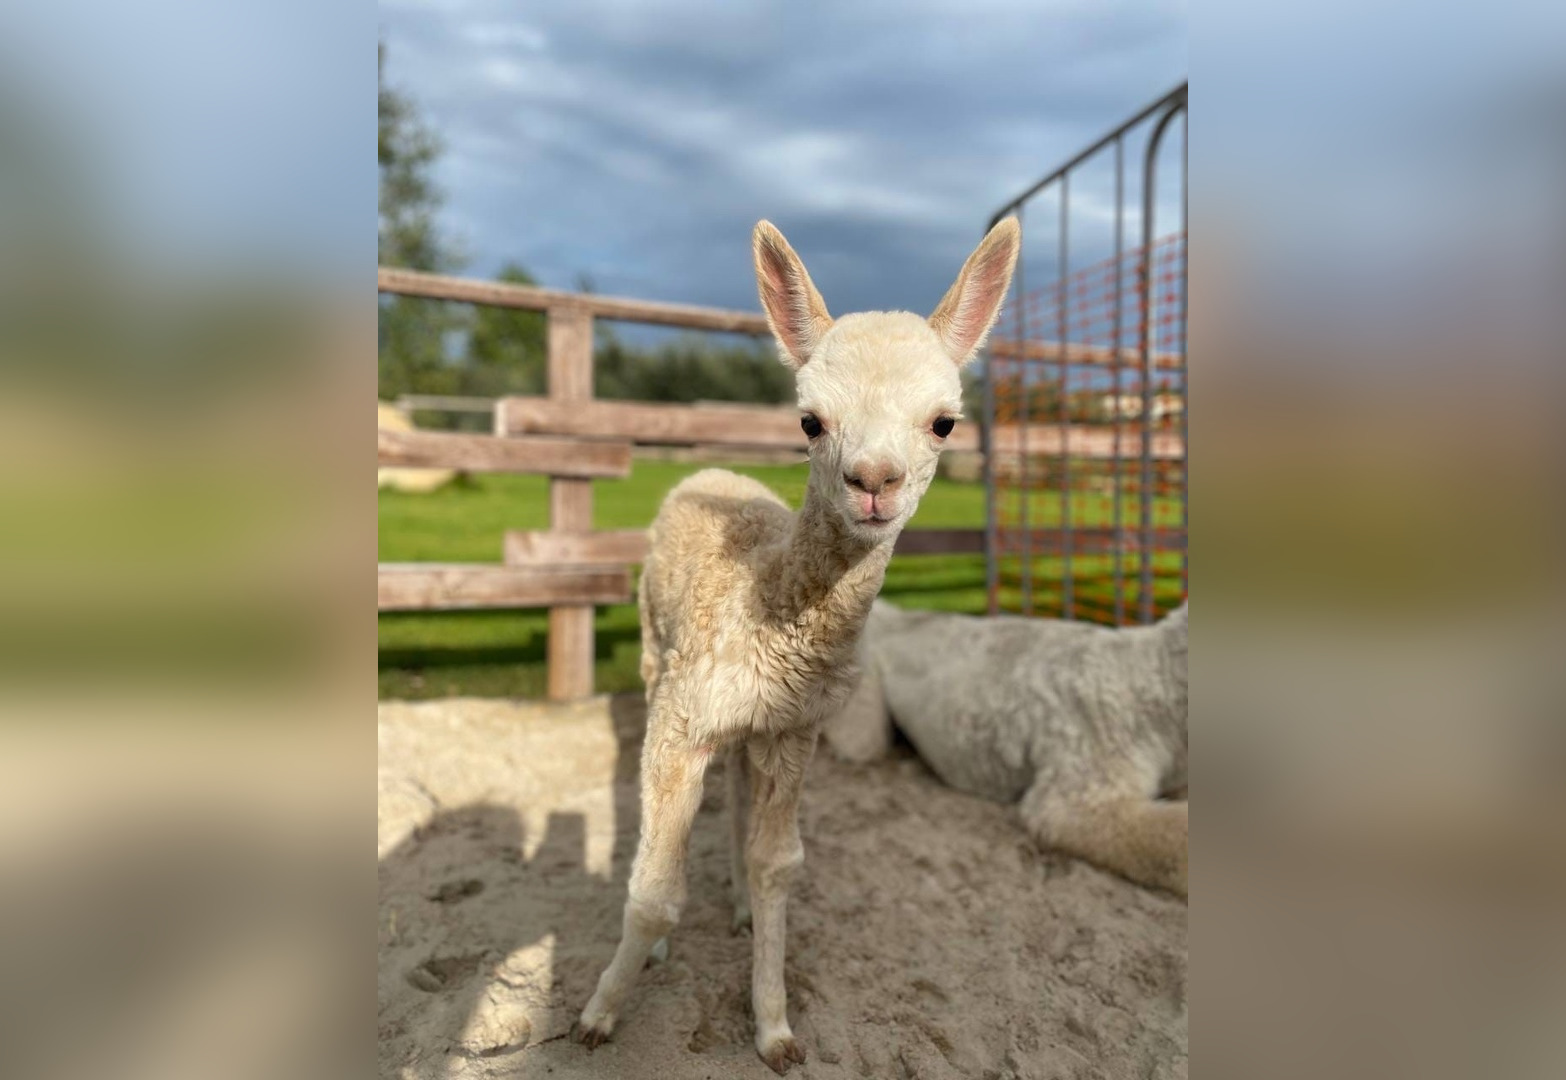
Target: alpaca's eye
{"x": 810, "y": 425}
{"x": 943, "y": 426}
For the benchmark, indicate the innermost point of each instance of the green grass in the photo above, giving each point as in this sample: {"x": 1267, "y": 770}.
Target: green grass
{"x": 501, "y": 653}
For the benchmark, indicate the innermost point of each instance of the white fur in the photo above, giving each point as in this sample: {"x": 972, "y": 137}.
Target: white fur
{"x": 1083, "y": 725}
{"x": 751, "y": 614}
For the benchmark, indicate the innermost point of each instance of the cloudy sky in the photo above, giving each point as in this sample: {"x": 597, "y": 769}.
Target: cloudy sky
{"x": 636, "y": 144}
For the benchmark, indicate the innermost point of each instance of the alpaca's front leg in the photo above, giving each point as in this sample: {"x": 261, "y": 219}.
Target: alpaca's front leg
{"x": 1126, "y": 832}
{"x": 672, "y": 774}
{"x": 773, "y": 854}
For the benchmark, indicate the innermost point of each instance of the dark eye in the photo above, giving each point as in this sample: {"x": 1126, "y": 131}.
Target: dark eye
{"x": 943, "y": 426}
{"x": 810, "y": 425}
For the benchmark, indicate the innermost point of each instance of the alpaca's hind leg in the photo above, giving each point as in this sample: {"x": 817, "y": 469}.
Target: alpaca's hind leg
{"x": 773, "y": 854}
{"x": 1125, "y": 832}
{"x": 737, "y": 768}
{"x": 672, "y": 773}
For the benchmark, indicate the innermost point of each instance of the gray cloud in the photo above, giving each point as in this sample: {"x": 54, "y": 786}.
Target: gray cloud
{"x": 638, "y": 143}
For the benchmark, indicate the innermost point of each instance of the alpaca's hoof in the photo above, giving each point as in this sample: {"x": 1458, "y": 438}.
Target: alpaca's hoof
{"x": 780, "y": 1053}
{"x": 740, "y": 923}
{"x": 591, "y": 1036}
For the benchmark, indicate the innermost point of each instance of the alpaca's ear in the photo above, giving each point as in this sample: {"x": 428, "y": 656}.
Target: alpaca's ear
{"x": 795, "y": 311}
{"x": 968, "y": 310}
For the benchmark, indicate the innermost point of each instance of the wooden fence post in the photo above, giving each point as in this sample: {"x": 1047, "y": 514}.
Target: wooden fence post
{"x": 570, "y": 646}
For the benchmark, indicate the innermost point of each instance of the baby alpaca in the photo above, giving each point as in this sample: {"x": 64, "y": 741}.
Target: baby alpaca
{"x": 750, "y": 614}
{"x": 1085, "y": 724}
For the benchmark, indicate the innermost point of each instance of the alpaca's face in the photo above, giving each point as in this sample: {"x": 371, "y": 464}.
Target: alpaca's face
{"x": 879, "y": 392}
{"x": 882, "y": 395}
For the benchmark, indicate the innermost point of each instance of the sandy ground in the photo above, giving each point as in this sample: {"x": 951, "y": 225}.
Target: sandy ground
{"x": 927, "y": 936}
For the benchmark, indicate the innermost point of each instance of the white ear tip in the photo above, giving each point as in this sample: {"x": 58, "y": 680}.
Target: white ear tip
{"x": 1007, "y": 228}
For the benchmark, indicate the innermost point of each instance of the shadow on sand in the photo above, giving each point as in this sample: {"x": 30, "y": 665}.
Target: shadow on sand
{"x": 462, "y": 895}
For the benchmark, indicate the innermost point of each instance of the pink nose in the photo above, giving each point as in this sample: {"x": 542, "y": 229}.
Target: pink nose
{"x": 877, "y": 506}
{"x": 875, "y": 478}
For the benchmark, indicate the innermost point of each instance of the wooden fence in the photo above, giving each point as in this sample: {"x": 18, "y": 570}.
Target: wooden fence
{"x": 573, "y": 439}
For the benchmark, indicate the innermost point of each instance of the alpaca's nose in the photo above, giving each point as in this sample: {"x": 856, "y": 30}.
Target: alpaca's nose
{"x": 874, "y": 478}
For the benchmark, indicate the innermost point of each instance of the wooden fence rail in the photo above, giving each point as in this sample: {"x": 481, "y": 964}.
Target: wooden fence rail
{"x": 573, "y": 438}
{"x": 589, "y": 305}
{"x": 777, "y": 427}
{"x": 445, "y": 586}
{"x": 581, "y": 459}
{"x": 1050, "y": 352}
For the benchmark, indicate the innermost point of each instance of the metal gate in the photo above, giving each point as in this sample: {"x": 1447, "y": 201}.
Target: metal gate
{"x": 1085, "y": 392}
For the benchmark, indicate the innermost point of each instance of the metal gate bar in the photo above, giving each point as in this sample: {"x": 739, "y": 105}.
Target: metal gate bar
{"x": 1086, "y": 581}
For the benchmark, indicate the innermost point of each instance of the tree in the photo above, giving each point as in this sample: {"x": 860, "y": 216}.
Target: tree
{"x": 507, "y": 347}
{"x": 690, "y": 368}
{"x": 407, "y": 150}
{"x": 413, "y": 332}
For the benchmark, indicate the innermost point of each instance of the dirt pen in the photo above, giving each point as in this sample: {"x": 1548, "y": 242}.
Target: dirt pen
{"x": 928, "y": 936}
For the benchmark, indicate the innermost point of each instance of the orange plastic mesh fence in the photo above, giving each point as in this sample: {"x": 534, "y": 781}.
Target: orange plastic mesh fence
{"x": 1089, "y": 455}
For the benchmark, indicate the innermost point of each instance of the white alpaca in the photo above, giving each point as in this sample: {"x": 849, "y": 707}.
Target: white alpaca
{"x": 750, "y": 614}
{"x": 1085, "y": 725}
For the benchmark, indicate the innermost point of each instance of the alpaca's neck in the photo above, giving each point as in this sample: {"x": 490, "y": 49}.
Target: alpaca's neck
{"x": 824, "y": 571}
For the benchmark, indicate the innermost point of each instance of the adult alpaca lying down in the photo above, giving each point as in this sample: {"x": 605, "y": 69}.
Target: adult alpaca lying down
{"x": 1085, "y": 725}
